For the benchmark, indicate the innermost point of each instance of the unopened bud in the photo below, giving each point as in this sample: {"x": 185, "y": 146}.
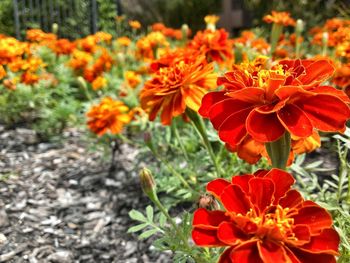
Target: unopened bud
{"x": 325, "y": 38}
{"x": 184, "y": 30}
{"x": 211, "y": 27}
{"x": 82, "y": 82}
{"x": 147, "y": 138}
{"x": 299, "y": 26}
{"x": 121, "y": 57}
{"x": 55, "y": 28}
{"x": 148, "y": 184}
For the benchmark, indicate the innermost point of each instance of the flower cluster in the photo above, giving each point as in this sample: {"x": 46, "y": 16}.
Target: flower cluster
{"x": 264, "y": 220}
{"x": 288, "y": 97}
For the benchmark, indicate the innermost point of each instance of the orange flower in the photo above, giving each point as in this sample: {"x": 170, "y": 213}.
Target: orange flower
{"x": 211, "y": 19}
{"x": 342, "y": 76}
{"x": 132, "y": 79}
{"x": 146, "y": 46}
{"x": 135, "y": 24}
{"x": 38, "y": 35}
{"x": 215, "y": 45}
{"x": 124, "y": 41}
{"x": 281, "y": 18}
{"x": 2, "y": 72}
{"x": 29, "y": 78}
{"x": 103, "y": 37}
{"x": 288, "y": 98}
{"x": 265, "y": 221}
{"x": 109, "y": 115}
{"x": 172, "y": 89}
{"x": 62, "y": 46}
{"x": 99, "y": 83}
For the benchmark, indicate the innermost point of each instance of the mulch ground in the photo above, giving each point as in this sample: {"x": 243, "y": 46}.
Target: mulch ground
{"x": 57, "y": 203}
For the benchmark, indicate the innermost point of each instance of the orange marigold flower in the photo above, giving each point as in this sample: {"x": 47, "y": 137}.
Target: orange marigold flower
{"x": 287, "y": 98}
{"x": 38, "y": 35}
{"x": 215, "y": 45}
{"x": 103, "y": 37}
{"x": 62, "y": 46}
{"x": 132, "y": 78}
{"x": 29, "y": 78}
{"x": 342, "y": 76}
{"x": 99, "y": 83}
{"x": 146, "y": 46}
{"x": 108, "y": 116}
{"x": 281, "y": 18}
{"x": 135, "y": 24}
{"x": 172, "y": 89}
{"x": 264, "y": 220}
{"x": 211, "y": 19}
{"x": 124, "y": 41}
{"x": 2, "y": 72}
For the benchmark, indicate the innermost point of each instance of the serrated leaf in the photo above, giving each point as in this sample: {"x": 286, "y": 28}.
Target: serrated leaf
{"x": 162, "y": 220}
{"x": 138, "y": 216}
{"x": 137, "y": 228}
{"x": 149, "y": 213}
{"x": 148, "y": 233}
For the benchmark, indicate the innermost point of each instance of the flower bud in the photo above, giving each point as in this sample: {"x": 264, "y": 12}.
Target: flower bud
{"x": 325, "y": 38}
{"x": 148, "y": 184}
{"x": 299, "y": 26}
{"x": 184, "y": 29}
{"x": 55, "y": 28}
{"x": 82, "y": 82}
{"x": 147, "y": 138}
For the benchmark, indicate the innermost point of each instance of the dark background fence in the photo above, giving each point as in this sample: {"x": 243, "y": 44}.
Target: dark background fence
{"x": 74, "y": 17}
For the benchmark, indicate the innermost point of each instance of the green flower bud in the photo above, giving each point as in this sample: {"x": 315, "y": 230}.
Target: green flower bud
{"x": 148, "y": 184}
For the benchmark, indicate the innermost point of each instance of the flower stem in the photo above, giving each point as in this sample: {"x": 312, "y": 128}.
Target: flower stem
{"x": 276, "y": 32}
{"x": 279, "y": 150}
{"x": 200, "y": 127}
{"x": 177, "y": 136}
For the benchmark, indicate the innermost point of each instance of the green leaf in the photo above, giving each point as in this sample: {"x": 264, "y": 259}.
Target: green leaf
{"x": 137, "y": 228}
{"x": 162, "y": 220}
{"x": 138, "y": 216}
{"x": 148, "y": 233}
{"x": 149, "y": 212}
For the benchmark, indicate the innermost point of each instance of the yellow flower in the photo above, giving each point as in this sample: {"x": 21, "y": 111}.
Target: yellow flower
{"x": 132, "y": 78}
{"x": 99, "y": 83}
{"x": 135, "y": 24}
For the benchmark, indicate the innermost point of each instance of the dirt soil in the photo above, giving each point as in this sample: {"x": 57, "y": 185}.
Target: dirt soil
{"x": 57, "y": 203}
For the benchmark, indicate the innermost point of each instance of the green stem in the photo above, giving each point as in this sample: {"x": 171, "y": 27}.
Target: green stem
{"x": 276, "y": 32}
{"x": 200, "y": 127}
{"x": 177, "y": 136}
{"x": 279, "y": 151}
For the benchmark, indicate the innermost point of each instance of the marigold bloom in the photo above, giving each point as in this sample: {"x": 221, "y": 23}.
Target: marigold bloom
{"x": 38, "y": 35}
{"x": 2, "y": 72}
{"x": 286, "y": 98}
{"x": 99, "y": 83}
{"x": 147, "y": 45}
{"x": 132, "y": 79}
{"x": 109, "y": 115}
{"x": 172, "y": 89}
{"x": 124, "y": 41}
{"x": 265, "y": 221}
{"x": 281, "y": 18}
{"x": 215, "y": 45}
{"x": 211, "y": 19}
{"x": 135, "y": 24}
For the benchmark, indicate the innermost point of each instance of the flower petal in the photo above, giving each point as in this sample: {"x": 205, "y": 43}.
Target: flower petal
{"x": 306, "y": 257}
{"x": 326, "y": 242}
{"x": 224, "y": 109}
{"x": 282, "y": 180}
{"x": 250, "y": 95}
{"x": 271, "y": 252}
{"x": 242, "y": 181}
{"x": 229, "y": 234}
{"x": 317, "y": 72}
{"x": 246, "y": 253}
{"x": 225, "y": 257}
{"x": 233, "y": 128}
{"x": 234, "y": 200}
{"x": 332, "y": 91}
{"x": 217, "y": 186}
{"x": 326, "y": 112}
{"x": 205, "y": 219}
{"x": 295, "y": 121}
{"x": 261, "y": 191}
{"x": 317, "y": 218}
{"x": 292, "y": 199}
{"x": 209, "y": 100}
{"x": 264, "y": 127}
{"x": 206, "y": 237}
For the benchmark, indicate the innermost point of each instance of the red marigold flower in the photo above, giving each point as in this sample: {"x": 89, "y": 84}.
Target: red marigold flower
{"x": 264, "y": 104}
{"x": 282, "y": 18}
{"x": 176, "y": 87}
{"x": 265, "y": 221}
{"x": 214, "y": 44}
{"x": 109, "y": 115}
